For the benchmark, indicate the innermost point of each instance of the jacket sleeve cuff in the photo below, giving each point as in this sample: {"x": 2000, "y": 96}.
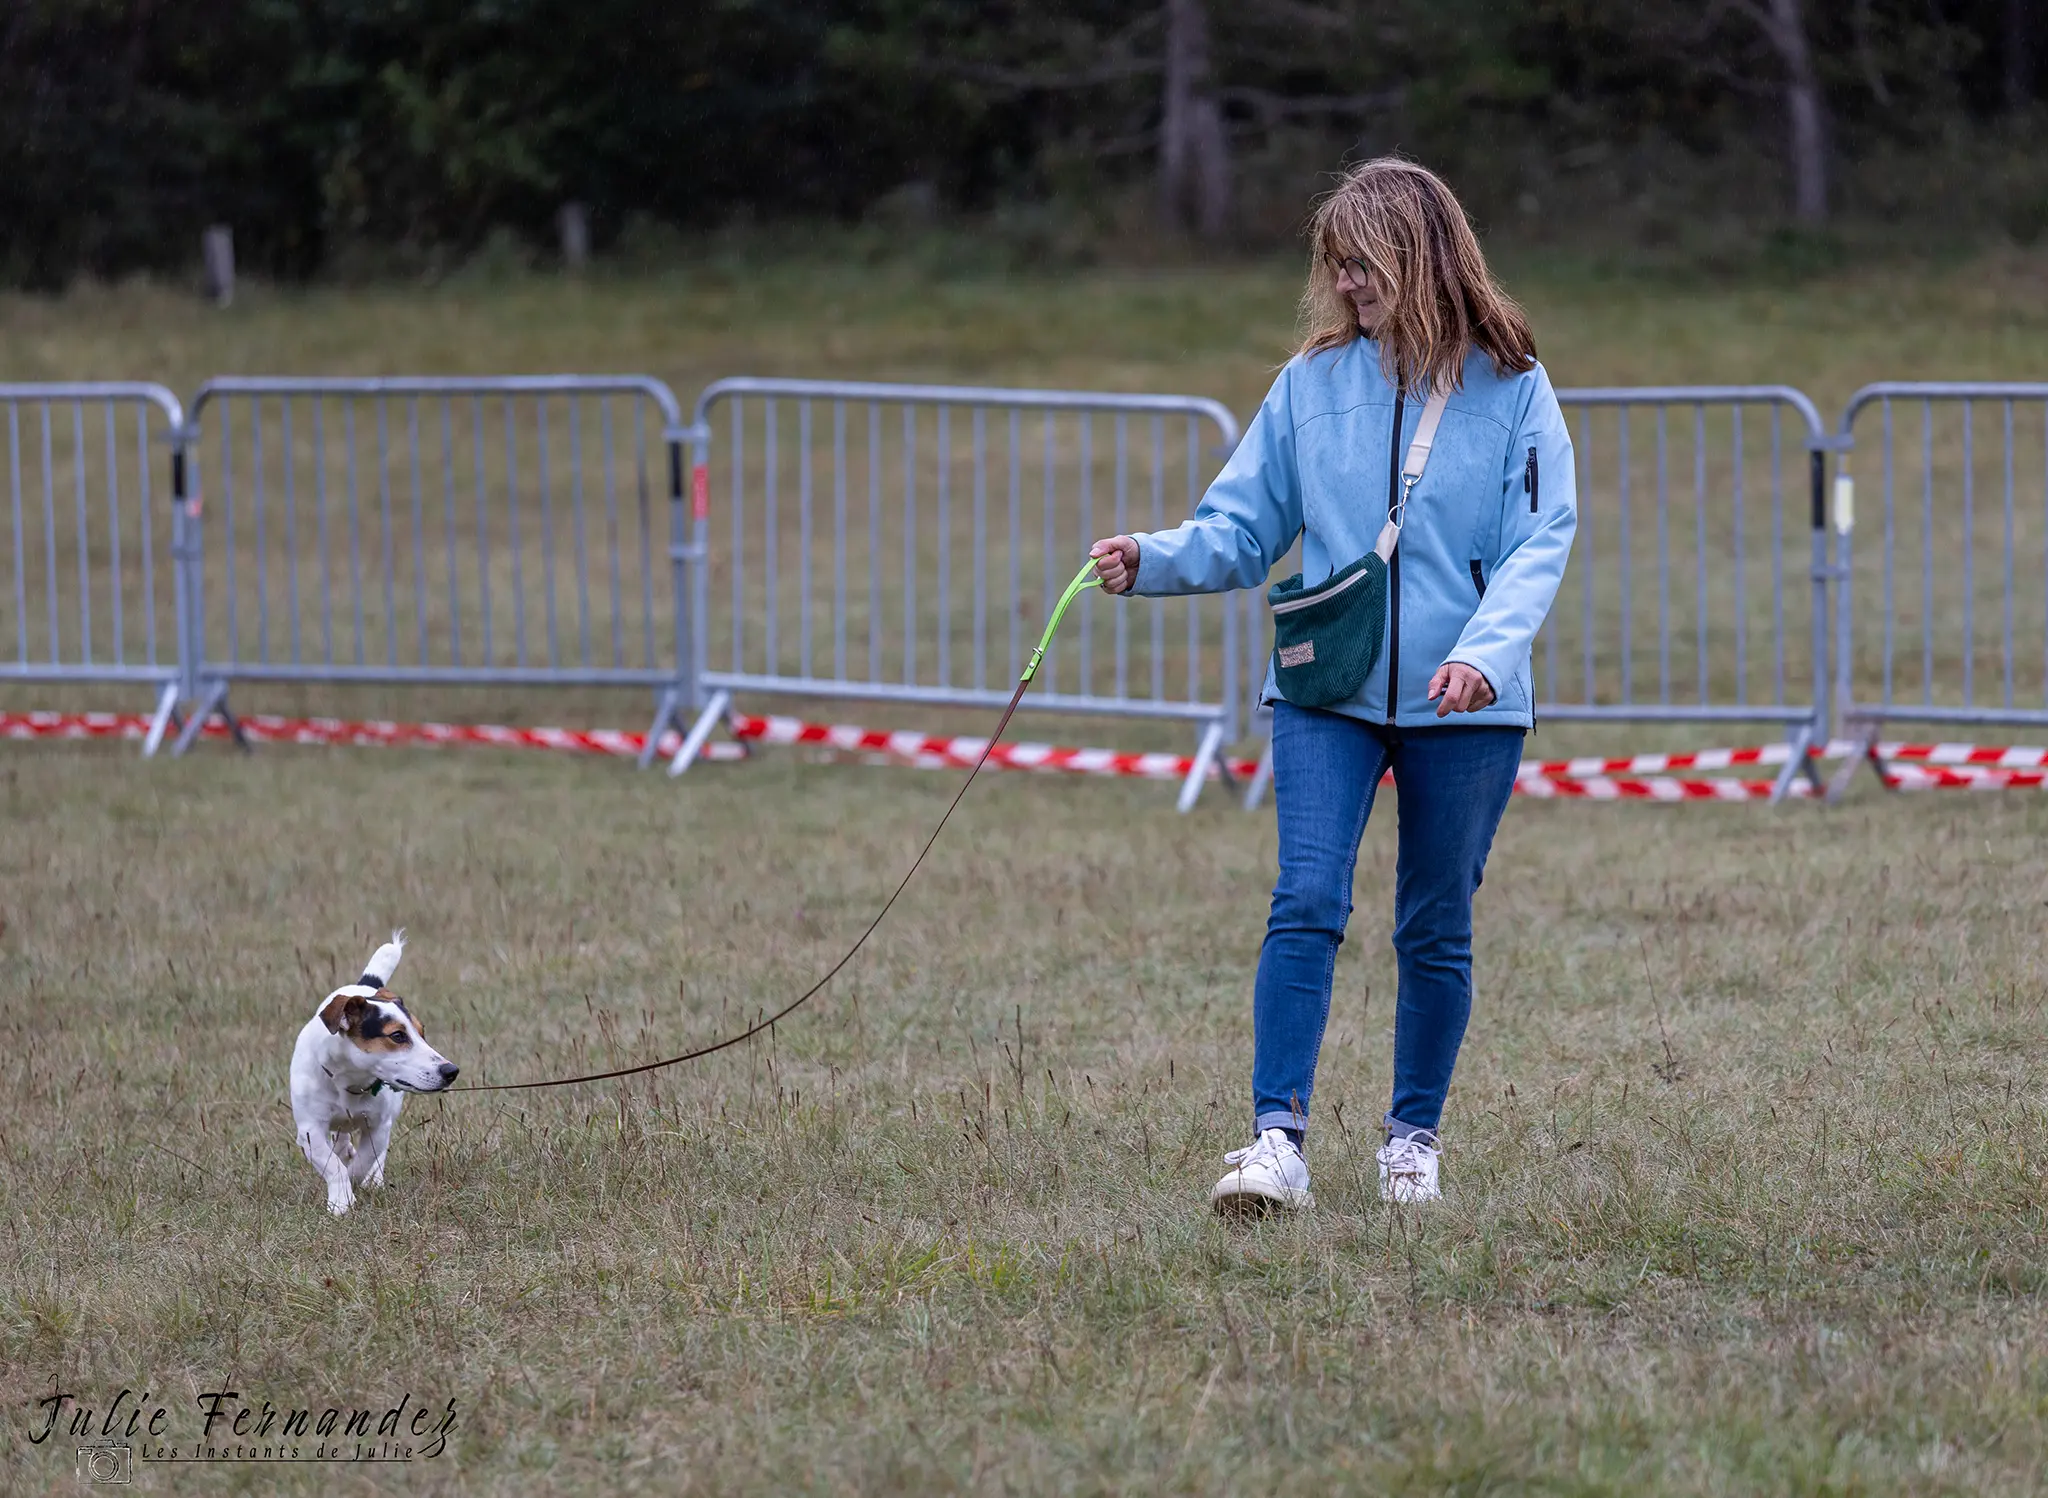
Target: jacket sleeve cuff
{"x": 1151, "y": 565}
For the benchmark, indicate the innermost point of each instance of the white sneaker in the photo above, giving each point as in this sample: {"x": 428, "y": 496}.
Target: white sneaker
{"x": 1408, "y": 1169}
{"x": 1269, "y": 1173}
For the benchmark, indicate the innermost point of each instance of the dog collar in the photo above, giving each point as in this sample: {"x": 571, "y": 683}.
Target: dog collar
{"x": 371, "y": 1091}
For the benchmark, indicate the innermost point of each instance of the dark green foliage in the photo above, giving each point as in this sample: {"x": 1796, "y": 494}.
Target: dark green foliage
{"x": 406, "y": 131}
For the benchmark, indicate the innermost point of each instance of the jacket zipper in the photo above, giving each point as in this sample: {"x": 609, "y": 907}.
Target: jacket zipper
{"x": 1394, "y": 569}
{"x": 1478, "y": 578}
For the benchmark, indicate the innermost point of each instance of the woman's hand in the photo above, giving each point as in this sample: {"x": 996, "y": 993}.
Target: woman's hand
{"x": 1461, "y": 689}
{"x": 1116, "y": 563}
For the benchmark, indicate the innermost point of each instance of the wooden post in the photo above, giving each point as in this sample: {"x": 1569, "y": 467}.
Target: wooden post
{"x": 218, "y": 251}
{"x": 573, "y": 225}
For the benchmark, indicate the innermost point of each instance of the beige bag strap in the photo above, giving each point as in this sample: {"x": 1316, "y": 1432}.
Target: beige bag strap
{"x": 1411, "y": 470}
{"x": 1425, "y": 437}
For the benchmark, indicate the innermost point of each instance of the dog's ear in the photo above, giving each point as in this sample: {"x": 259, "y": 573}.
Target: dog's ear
{"x": 343, "y": 1012}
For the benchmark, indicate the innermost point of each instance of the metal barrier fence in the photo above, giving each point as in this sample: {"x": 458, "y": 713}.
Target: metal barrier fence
{"x": 902, "y": 543}
{"x": 1946, "y": 619}
{"x": 96, "y": 592}
{"x": 441, "y": 530}
{"x": 1727, "y": 645}
{"x": 1697, "y": 586}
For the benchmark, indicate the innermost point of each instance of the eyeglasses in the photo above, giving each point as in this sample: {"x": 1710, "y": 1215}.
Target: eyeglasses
{"x": 1338, "y": 263}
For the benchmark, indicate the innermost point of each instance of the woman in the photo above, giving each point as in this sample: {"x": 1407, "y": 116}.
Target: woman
{"x": 1400, "y": 303}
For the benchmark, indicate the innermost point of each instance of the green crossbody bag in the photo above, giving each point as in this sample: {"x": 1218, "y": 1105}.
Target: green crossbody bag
{"x": 1327, "y": 639}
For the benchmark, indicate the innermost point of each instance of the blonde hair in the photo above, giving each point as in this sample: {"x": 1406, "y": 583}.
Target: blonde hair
{"x": 1437, "y": 296}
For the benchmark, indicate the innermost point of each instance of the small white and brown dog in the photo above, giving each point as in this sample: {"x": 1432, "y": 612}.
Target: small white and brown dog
{"x": 355, "y": 1061}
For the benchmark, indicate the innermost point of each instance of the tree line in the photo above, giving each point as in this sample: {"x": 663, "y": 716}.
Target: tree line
{"x": 420, "y": 127}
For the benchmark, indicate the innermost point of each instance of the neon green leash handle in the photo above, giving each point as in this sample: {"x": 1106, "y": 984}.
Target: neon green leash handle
{"x": 1083, "y": 579}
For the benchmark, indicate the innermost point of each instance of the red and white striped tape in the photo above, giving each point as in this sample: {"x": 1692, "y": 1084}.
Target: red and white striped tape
{"x": 266, "y": 728}
{"x": 2010, "y": 758}
{"x": 1640, "y": 777}
{"x": 1910, "y": 777}
{"x": 1650, "y": 788}
{"x": 1664, "y": 764}
{"x": 73, "y": 725}
{"x": 2017, "y": 757}
{"x": 937, "y": 753}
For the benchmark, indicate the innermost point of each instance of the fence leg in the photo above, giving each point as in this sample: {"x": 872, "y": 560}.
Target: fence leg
{"x": 1198, "y": 772}
{"x": 1799, "y": 763}
{"x": 668, "y": 713}
{"x": 693, "y": 742}
{"x": 162, "y": 720}
{"x": 1262, "y": 776}
{"x": 215, "y": 701}
{"x": 1864, "y": 737}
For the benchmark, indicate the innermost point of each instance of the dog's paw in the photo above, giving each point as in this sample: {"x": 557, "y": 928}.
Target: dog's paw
{"x": 340, "y": 1204}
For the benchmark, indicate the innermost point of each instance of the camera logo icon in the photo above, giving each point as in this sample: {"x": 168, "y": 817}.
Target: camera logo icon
{"x": 106, "y": 1464}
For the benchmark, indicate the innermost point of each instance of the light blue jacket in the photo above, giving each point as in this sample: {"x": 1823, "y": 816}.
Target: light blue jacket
{"x": 1484, "y": 542}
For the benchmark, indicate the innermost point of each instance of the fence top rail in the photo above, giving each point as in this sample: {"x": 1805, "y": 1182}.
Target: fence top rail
{"x": 98, "y": 390}
{"x": 971, "y": 395}
{"x": 430, "y": 385}
{"x": 1990, "y": 390}
{"x": 1698, "y": 395}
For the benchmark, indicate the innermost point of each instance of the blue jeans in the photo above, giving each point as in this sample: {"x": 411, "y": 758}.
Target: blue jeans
{"x": 1452, "y": 785}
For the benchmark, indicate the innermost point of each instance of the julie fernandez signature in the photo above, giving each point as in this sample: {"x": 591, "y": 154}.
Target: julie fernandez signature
{"x": 232, "y": 1428}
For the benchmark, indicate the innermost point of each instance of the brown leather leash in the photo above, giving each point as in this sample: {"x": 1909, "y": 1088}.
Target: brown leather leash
{"x": 1083, "y": 579}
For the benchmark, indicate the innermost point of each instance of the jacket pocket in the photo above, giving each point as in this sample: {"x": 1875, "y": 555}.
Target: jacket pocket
{"x": 1478, "y": 578}
{"x": 1531, "y": 484}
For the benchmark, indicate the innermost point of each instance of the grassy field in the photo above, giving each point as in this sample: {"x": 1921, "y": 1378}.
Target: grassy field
{"x": 1745, "y": 1152}
{"x": 1216, "y": 332}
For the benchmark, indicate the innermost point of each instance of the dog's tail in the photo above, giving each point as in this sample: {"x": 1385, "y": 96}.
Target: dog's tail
{"x": 384, "y": 962}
